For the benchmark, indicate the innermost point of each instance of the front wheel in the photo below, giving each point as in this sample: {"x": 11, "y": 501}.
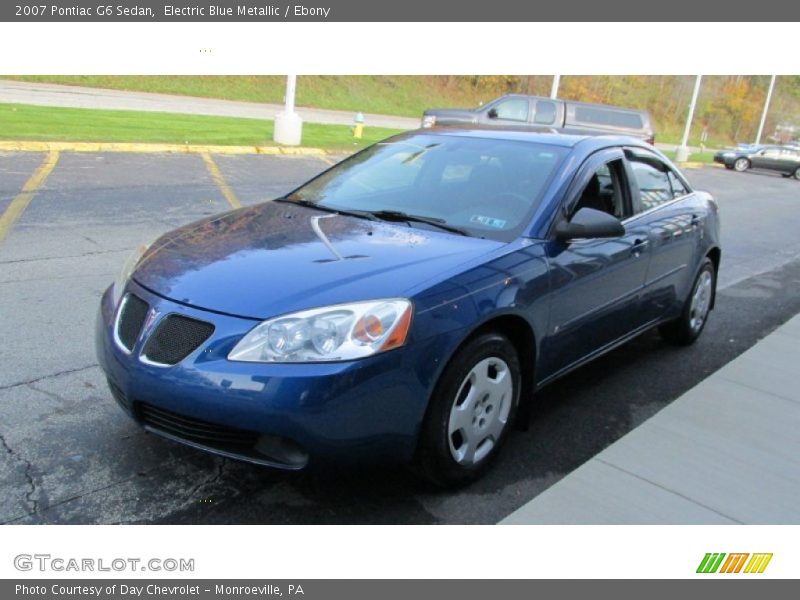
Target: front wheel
{"x": 741, "y": 164}
{"x": 471, "y": 412}
{"x": 687, "y": 328}
{"x": 797, "y": 173}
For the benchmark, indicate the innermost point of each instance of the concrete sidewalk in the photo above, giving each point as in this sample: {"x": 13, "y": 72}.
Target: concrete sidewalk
{"x": 727, "y": 451}
{"x": 48, "y": 94}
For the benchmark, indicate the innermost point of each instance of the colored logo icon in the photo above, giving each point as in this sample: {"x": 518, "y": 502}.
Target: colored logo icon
{"x": 719, "y": 562}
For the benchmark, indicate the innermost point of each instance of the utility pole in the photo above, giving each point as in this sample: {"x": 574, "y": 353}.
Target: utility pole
{"x": 682, "y": 151}
{"x": 554, "y": 89}
{"x": 288, "y": 124}
{"x": 766, "y": 109}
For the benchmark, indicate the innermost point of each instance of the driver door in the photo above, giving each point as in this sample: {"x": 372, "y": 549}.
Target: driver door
{"x": 595, "y": 284}
{"x": 768, "y": 158}
{"x": 509, "y": 111}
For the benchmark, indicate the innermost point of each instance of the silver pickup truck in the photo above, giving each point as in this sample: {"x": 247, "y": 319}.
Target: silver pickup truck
{"x": 547, "y": 113}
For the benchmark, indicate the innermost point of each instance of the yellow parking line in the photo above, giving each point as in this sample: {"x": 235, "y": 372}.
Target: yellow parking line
{"x": 28, "y": 146}
{"x": 216, "y": 175}
{"x": 20, "y": 203}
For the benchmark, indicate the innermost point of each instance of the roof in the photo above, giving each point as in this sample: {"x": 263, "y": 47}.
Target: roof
{"x": 526, "y": 134}
{"x": 575, "y": 102}
{"x": 519, "y": 134}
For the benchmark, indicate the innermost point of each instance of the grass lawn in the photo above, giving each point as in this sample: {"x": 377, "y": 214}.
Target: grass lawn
{"x": 40, "y": 123}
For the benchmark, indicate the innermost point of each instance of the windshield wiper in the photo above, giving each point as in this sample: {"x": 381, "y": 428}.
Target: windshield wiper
{"x": 361, "y": 214}
{"x": 396, "y": 215}
{"x": 383, "y": 215}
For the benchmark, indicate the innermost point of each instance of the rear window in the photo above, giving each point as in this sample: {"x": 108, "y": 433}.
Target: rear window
{"x": 608, "y": 118}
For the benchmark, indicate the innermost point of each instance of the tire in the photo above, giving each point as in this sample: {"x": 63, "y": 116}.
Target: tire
{"x": 797, "y": 173}
{"x": 470, "y": 413}
{"x": 729, "y": 167}
{"x": 687, "y": 328}
{"x": 741, "y": 164}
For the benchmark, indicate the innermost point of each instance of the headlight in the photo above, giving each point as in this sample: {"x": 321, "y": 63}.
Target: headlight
{"x": 332, "y": 333}
{"x": 428, "y": 121}
{"x": 127, "y": 270}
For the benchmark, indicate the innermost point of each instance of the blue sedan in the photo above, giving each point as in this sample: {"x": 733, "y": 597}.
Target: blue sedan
{"x": 401, "y": 305}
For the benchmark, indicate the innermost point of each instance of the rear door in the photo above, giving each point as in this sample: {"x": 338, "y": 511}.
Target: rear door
{"x": 595, "y": 283}
{"x": 664, "y": 204}
{"x": 548, "y": 113}
{"x": 789, "y": 160}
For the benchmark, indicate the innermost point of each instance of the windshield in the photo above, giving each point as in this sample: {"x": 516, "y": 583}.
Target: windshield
{"x": 482, "y": 187}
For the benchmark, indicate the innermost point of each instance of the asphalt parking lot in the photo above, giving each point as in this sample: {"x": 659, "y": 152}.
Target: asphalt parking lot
{"x": 69, "y": 455}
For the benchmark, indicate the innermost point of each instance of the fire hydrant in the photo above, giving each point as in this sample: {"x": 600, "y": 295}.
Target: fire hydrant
{"x": 358, "y": 127}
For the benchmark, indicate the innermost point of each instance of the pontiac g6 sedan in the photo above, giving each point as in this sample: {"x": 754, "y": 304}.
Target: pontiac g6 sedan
{"x": 401, "y": 305}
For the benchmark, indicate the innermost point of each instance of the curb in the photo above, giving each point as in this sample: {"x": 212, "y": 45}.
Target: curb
{"x": 23, "y": 146}
{"x": 696, "y": 164}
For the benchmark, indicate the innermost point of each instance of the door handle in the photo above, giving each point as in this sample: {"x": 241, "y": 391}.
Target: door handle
{"x": 638, "y": 246}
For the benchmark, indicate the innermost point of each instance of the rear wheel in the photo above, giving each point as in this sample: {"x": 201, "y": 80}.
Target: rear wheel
{"x": 687, "y": 328}
{"x": 471, "y": 412}
{"x": 741, "y": 164}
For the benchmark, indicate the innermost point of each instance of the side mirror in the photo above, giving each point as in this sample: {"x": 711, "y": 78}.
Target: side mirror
{"x": 589, "y": 223}
{"x": 492, "y": 114}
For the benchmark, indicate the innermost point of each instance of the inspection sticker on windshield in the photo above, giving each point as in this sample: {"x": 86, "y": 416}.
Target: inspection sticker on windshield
{"x": 488, "y": 221}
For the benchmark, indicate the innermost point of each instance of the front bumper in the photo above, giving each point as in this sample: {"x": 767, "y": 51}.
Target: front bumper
{"x": 294, "y": 414}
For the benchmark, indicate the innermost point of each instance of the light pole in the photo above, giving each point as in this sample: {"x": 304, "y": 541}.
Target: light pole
{"x": 766, "y": 109}
{"x": 554, "y": 88}
{"x": 288, "y": 124}
{"x": 682, "y": 151}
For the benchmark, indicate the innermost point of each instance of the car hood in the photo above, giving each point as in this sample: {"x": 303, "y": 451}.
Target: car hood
{"x": 274, "y": 258}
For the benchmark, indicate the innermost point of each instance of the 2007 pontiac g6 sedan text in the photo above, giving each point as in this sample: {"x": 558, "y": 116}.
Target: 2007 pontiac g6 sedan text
{"x": 400, "y": 306}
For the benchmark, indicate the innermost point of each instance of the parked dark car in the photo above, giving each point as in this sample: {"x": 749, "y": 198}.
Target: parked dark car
{"x": 540, "y": 113}
{"x": 783, "y": 159}
{"x": 401, "y": 305}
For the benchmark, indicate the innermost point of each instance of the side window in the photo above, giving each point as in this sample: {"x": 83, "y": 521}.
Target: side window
{"x": 770, "y": 153}
{"x": 545, "y": 112}
{"x": 654, "y": 185}
{"x": 515, "y": 109}
{"x": 600, "y": 115}
{"x": 678, "y": 189}
{"x": 604, "y": 191}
